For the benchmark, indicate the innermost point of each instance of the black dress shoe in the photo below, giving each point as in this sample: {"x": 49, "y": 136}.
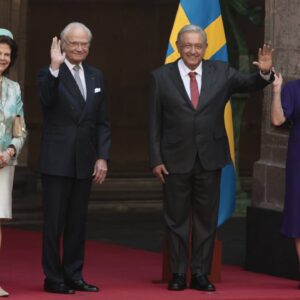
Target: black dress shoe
{"x": 81, "y": 285}
{"x": 178, "y": 282}
{"x": 201, "y": 282}
{"x": 59, "y": 288}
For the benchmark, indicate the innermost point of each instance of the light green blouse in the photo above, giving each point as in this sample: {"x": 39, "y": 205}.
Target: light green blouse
{"x": 10, "y": 105}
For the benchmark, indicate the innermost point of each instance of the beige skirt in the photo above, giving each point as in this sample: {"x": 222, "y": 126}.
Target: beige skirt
{"x": 6, "y": 185}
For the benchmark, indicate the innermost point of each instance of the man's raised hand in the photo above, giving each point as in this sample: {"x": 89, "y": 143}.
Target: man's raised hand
{"x": 265, "y": 61}
{"x": 57, "y": 56}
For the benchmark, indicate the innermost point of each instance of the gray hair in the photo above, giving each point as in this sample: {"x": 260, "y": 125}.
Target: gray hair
{"x": 191, "y": 28}
{"x": 73, "y": 25}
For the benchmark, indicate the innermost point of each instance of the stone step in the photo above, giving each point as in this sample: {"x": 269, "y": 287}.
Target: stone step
{"x": 30, "y": 210}
{"x": 115, "y": 194}
{"x": 120, "y": 186}
{"x": 120, "y": 192}
{"x": 128, "y": 189}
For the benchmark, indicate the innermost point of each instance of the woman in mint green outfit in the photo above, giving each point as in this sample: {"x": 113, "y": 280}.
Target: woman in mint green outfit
{"x": 10, "y": 106}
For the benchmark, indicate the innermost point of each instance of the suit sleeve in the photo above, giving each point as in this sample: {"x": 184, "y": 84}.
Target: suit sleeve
{"x": 154, "y": 124}
{"x": 240, "y": 82}
{"x": 47, "y": 87}
{"x": 103, "y": 127}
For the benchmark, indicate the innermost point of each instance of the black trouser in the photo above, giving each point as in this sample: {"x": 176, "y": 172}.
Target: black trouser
{"x": 191, "y": 204}
{"x": 65, "y": 203}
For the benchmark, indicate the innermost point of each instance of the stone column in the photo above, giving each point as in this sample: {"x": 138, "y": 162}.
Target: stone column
{"x": 267, "y": 250}
{"x": 13, "y": 17}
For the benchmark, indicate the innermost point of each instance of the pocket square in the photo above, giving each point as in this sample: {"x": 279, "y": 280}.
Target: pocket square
{"x": 97, "y": 90}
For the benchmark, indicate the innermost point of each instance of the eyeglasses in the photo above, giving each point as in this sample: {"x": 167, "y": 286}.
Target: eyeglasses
{"x": 188, "y": 47}
{"x": 74, "y": 45}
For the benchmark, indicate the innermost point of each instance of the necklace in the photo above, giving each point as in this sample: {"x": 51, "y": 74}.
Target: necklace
{"x": 3, "y": 99}
{"x": 2, "y": 115}
{"x": 1, "y": 79}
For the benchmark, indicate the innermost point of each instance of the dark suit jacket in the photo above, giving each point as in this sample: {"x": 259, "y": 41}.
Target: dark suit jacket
{"x": 75, "y": 132}
{"x": 178, "y": 132}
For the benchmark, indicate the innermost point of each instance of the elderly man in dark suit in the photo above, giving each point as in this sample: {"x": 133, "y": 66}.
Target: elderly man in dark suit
{"x": 75, "y": 146}
{"x": 188, "y": 147}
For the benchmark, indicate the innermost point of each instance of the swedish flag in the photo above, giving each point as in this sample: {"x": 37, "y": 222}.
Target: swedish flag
{"x": 207, "y": 15}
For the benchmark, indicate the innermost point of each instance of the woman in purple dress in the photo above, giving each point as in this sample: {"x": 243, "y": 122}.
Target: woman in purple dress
{"x": 286, "y": 106}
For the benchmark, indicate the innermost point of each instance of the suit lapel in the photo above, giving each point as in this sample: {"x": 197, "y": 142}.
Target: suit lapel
{"x": 71, "y": 86}
{"x": 207, "y": 80}
{"x": 90, "y": 88}
{"x": 90, "y": 83}
{"x": 178, "y": 83}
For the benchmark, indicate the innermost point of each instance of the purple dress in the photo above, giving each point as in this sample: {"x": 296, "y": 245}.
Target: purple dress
{"x": 290, "y": 98}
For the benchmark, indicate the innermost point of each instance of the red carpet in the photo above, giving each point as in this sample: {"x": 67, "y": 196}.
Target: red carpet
{"x": 124, "y": 274}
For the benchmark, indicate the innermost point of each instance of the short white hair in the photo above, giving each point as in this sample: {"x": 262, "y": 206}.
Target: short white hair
{"x": 191, "y": 28}
{"x": 73, "y": 25}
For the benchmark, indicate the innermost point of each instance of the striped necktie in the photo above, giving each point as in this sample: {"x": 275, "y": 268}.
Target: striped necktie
{"x": 76, "y": 69}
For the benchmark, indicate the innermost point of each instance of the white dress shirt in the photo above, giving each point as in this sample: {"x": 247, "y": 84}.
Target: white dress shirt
{"x": 184, "y": 73}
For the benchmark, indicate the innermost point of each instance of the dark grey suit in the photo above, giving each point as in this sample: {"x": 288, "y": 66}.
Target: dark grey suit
{"x": 193, "y": 146}
{"x": 75, "y": 134}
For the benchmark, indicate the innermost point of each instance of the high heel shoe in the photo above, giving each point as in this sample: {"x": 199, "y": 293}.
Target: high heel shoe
{"x": 3, "y": 293}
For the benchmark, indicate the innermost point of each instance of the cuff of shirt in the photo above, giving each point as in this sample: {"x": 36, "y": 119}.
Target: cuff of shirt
{"x": 266, "y": 76}
{"x": 54, "y": 73}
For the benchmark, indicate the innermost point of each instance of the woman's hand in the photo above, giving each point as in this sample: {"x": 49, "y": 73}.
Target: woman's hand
{"x": 277, "y": 114}
{"x": 4, "y": 159}
{"x": 277, "y": 83}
